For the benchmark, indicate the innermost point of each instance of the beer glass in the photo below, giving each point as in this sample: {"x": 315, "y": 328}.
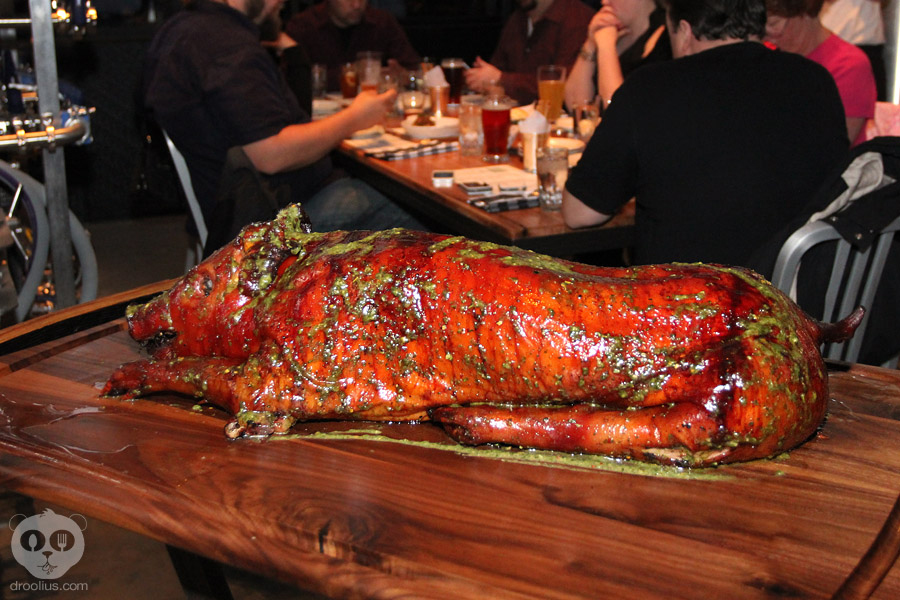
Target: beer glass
{"x": 369, "y": 66}
{"x": 552, "y": 87}
{"x": 454, "y": 71}
{"x": 349, "y": 80}
{"x": 495, "y": 112}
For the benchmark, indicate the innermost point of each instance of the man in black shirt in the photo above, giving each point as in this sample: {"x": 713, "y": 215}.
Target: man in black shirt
{"x": 211, "y": 86}
{"x": 721, "y": 147}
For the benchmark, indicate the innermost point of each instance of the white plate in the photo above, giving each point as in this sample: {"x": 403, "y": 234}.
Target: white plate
{"x": 443, "y": 127}
{"x": 323, "y": 106}
{"x": 571, "y": 144}
{"x": 371, "y": 132}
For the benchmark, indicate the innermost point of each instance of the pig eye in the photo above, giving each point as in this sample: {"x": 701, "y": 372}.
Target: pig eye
{"x": 62, "y": 540}
{"x": 32, "y": 540}
{"x": 207, "y": 286}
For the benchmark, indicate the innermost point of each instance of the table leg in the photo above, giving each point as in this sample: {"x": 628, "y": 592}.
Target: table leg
{"x": 200, "y": 577}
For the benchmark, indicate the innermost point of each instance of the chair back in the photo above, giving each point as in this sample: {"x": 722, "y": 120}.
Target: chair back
{"x": 854, "y": 279}
{"x": 195, "y": 251}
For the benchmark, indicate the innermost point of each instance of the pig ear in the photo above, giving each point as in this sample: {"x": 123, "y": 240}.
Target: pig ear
{"x": 13, "y": 525}
{"x": 83, "y": 519}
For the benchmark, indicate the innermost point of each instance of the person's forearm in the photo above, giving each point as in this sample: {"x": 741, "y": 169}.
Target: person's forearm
{"x": 302, "y": 144}
{"x": 854, "y": 126}
{"x": 577, "y": 214}
{"x": 609, "y": 70}
{"x": 580, "y": 84}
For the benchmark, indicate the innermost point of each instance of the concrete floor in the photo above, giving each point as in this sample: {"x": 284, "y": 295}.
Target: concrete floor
{"x": 117, "y": 563}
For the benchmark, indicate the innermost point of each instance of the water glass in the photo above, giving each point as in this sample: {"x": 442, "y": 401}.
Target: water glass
{"x": 319, "y": 80}
{"x": 587, "y": 116}
{"x": 495, "y": 121}
{"x": 471, "y": 138}
{"x": 553, "y": 171}
{"x": 552, "y": 87}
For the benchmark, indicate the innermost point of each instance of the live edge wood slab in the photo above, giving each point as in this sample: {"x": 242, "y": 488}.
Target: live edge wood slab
{"x": 375, "y": 519}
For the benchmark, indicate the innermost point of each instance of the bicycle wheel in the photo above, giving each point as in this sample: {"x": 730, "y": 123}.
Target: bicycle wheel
{"x": 24, "y": 201}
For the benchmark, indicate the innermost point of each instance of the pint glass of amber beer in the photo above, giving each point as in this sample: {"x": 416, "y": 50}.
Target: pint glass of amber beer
{"x": 551, "y": 87}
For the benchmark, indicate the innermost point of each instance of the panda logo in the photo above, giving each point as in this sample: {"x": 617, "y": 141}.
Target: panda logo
{"x": 47, "y": 544}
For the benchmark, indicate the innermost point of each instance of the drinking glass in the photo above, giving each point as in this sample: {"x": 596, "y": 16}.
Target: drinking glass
{"x": 388, "y": 81}
{"x": 531, "y": 141}
{"x": 587, "y": 116}
{"x": 454, "y": 72}
{"x": 552, "y": 170}
{"x": 440, "y": 97}
{"x": 471, "y": 140}
{"x": 349, "y": 80}
{"x": 412, "y": 101}
{"x": 369, "y": 66}
{"x": 319, "y": 80}
{"x": 551, "y": 87}
{"x": 495, "y": 127}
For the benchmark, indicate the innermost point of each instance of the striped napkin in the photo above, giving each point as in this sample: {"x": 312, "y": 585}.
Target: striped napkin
{"x": 392, "y": 147}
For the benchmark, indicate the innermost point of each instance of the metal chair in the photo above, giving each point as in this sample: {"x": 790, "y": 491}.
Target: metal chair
{"x": 195, "y": 248}
{"x": 854, "y": 279}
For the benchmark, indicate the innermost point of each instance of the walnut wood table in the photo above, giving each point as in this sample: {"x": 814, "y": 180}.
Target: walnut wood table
{"x": 408, "y": 181}
{"x": 375, "y": 519}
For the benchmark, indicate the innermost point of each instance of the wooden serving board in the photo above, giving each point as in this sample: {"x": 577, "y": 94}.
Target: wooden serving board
{"x": 362, "y": 518}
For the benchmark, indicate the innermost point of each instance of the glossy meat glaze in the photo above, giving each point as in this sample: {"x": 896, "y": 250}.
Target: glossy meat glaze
{"x": 681, "y": 364}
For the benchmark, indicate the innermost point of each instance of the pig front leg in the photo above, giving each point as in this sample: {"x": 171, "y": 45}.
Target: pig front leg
{"x": 224, "y": 382}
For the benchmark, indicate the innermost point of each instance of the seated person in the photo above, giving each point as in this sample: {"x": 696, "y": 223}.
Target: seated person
{"x": 720, "y": 147}
{"x": 334, "y": 31}
{"x": 539, "y": 32}
{"x": 622, "y": 36}
{"x": 794, "y": 26}
{"x": 860, "y": 22}
{"x": 211, "y": 85}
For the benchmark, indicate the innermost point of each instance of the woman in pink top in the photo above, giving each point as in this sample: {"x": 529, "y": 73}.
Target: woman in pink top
{"x": 794, "y": 26}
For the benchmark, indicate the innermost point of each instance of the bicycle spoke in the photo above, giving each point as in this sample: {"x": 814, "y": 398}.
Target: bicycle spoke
{"x": 15, "y": 200}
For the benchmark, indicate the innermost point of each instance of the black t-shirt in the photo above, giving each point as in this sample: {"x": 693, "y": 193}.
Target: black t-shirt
{"x": 211, "y": 86}
{"x": 720, "y": 150}
{"x": 633, "y": 56}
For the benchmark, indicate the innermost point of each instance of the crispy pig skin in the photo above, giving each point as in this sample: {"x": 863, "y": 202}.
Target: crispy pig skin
{"x": 681, "y": 364}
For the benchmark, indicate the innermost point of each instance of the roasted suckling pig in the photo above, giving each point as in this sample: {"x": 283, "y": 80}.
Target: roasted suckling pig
{"x": 683, "y": 364}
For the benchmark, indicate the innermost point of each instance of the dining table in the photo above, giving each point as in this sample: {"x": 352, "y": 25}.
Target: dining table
{"x": 399, "y": 510}
{"x": 410, "y": 183}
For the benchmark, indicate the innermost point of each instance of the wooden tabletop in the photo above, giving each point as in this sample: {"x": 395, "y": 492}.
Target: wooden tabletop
{"x": 409, "y": 182}
{"x": 358, "y": 518}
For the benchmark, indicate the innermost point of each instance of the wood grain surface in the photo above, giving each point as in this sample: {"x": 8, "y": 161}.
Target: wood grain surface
{"x": 375, "y": 519}
{"x": 409, "y": 182}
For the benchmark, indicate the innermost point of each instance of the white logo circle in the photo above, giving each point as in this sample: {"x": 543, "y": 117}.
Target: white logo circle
{"x": 47, "y": 544}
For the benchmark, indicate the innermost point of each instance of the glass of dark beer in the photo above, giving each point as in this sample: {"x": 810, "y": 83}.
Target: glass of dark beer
{"x": 454, "y": 72}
